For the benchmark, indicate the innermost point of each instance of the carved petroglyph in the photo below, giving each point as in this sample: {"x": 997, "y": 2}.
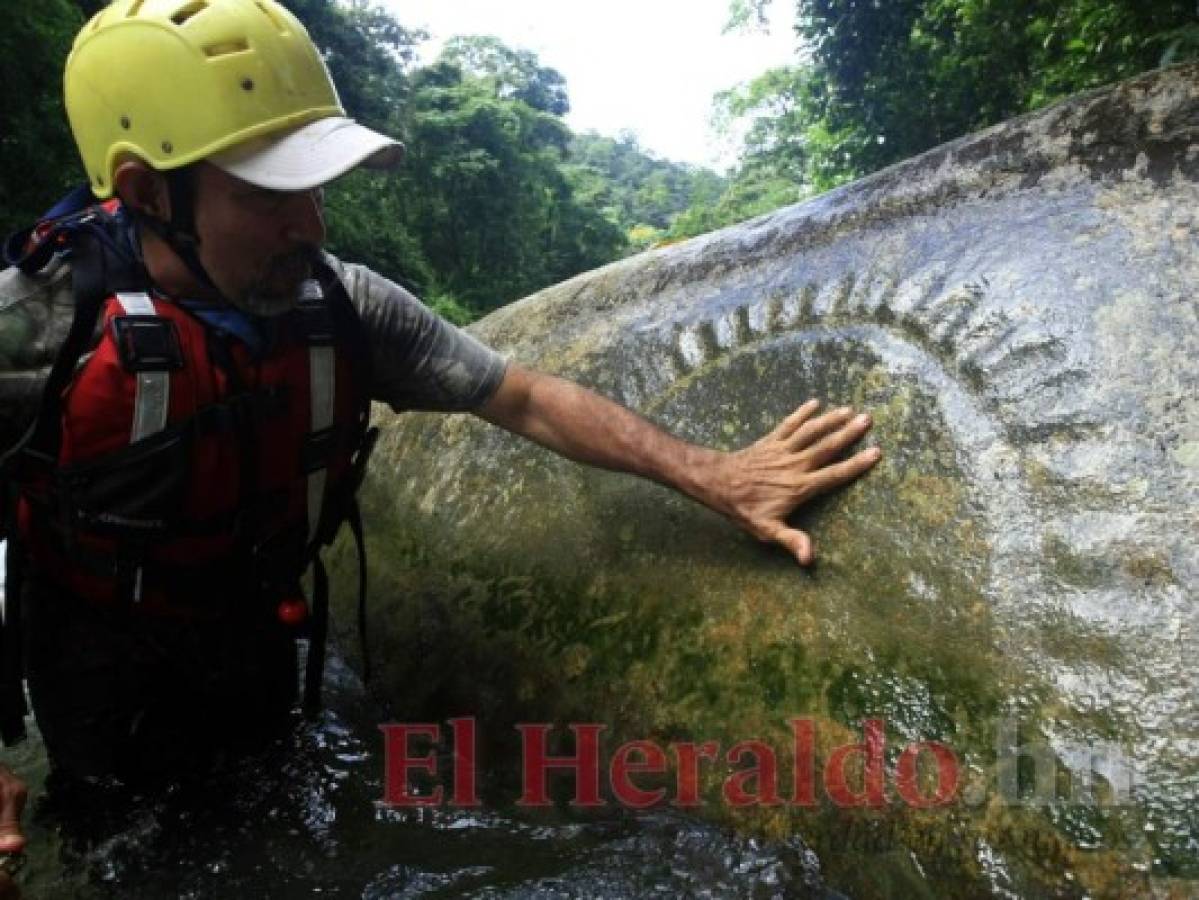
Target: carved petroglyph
{"x": 1018, "y": 308}
{"x": 976, "y": 343}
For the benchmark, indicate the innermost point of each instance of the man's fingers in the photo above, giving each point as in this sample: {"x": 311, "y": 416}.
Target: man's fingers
{"x": 788, "y": 426}
{"x": 833, "y": 444}
{"x": 815, "y": 429}
{"x": 834, "y": 476}
{"x": 797, "y": 542}
{"x": 790, "y": 466}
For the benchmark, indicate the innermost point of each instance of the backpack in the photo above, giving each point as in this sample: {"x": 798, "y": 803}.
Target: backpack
{"x": 63, "y": 270}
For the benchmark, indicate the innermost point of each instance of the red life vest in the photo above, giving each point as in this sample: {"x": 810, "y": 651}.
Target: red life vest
{"x": 192, "y": 476}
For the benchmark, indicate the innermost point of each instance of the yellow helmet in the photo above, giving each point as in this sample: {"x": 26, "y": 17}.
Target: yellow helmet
{"x": 175, "y": 81}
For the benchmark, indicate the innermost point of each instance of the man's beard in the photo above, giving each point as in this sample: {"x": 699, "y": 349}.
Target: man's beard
{"x": 277, "y": 291}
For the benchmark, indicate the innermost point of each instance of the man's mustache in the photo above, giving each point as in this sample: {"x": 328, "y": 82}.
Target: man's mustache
{"x": 302, "y": 260}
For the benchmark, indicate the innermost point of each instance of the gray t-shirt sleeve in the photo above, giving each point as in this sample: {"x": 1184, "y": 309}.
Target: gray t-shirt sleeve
{"x": 420, "y": 361}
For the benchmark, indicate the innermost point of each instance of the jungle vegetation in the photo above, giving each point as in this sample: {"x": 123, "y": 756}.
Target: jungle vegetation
{"x": 498, "y": 197}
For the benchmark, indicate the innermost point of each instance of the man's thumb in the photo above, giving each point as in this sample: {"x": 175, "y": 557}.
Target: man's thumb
{"x": 798, "y": 543}
{"x": 12, "y": 804}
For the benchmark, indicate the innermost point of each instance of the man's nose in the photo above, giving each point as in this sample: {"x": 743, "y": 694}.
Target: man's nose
{"x": 305, "y": 222}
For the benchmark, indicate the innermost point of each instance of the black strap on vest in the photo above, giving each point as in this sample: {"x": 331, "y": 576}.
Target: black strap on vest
{"x": 180, "y": 232}
{"x": 97, "y": 269}
{"x": 92, "y": 273}
{"x": 355, "y": 520}
{"x": 337, "y": 315}
{"x": 13, "y": 707}
{"x": 318, "y": 634}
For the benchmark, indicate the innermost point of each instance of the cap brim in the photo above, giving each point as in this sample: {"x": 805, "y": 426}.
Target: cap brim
{"x": 309, "y": 156}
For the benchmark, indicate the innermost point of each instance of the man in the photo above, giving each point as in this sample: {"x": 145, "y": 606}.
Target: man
{"x": 189, "y": 468}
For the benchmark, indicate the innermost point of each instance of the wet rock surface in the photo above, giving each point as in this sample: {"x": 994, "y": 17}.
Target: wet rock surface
{"x": 1019, "y": 579}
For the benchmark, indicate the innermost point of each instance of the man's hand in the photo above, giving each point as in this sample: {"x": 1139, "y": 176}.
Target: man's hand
{"x": 13, "y": 794}
{"x": 12, "y": 803}
{"x": 757, "y": 487}
{"x": 760, "y": 486}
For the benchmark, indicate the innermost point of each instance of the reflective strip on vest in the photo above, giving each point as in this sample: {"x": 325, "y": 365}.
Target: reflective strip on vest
{"x": 322, "y": 386}
{"x": 153, "y": 395}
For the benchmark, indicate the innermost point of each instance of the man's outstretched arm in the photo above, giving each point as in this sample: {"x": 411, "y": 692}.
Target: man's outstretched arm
{"x": 757, "y": 487}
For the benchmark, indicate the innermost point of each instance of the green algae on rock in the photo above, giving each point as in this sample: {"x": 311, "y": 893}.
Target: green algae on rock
{"x": 1018, "y": 309}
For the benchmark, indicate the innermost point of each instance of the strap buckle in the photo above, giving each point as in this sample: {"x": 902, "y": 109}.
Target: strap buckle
{"x": 147, "y": 343}
{"x": 316, "y": 322}
{"x": 317, "y": 450}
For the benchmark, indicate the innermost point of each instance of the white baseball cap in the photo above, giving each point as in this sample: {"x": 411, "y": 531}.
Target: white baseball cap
{"x": 310, "y": 155}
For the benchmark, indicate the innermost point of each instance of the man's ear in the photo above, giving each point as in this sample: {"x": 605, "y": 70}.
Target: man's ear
{"x": 143, "y": 190}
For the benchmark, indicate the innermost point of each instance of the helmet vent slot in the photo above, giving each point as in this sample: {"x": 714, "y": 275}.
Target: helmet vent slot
{"x": 188, "y": 10}
{"x": 225, "y": 48}
{"x": 270, "y": 14}
{"x": 134, "y": 9}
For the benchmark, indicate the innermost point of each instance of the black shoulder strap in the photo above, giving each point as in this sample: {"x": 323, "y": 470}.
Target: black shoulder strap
{"x": 355, "y": 519}
{"x": 347, "y": 326}
{"x": 88, "y": 272}
{"x": 13, "y": 708}
{"x": 42, "y": 441}
{"x": 343, "y": 306}
{"x": 318, "y": 633}
{"x": 96, "y": 272}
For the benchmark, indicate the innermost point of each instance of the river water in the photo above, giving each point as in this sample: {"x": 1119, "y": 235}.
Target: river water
{"x": 306, "y": 818}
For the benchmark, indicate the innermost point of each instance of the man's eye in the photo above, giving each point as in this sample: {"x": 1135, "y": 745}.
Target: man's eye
{"x": 272, "y": 201}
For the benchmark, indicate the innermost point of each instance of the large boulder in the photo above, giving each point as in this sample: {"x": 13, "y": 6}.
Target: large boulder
{"x": 1018, "y": 310}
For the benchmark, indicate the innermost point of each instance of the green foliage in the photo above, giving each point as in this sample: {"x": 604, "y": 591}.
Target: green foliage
{"x": 880, "y": 82}
{"x": 485, "y": 209}
{"x": 366, "y": 220}
{"x": 37, "y": 155}
{"x": 746, "y": 14}
{"x": 643, "y": 237}
{"x": 639, "y": 193}
{"x": 449, "y": 308}
{"x": 366, "y": 51}
{"x": 497, "y": 216}
{"x": 513, "y": 74}
{"x": 499, "y": 199}
{"x": 889, "y": 80}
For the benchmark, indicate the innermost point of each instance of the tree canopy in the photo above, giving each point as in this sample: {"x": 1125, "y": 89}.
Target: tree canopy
{"x": 640, "y": 193}
{"x": 876, "y": 82}
{"x": 36, "y": 151}
{"x": 499, "y": 198}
